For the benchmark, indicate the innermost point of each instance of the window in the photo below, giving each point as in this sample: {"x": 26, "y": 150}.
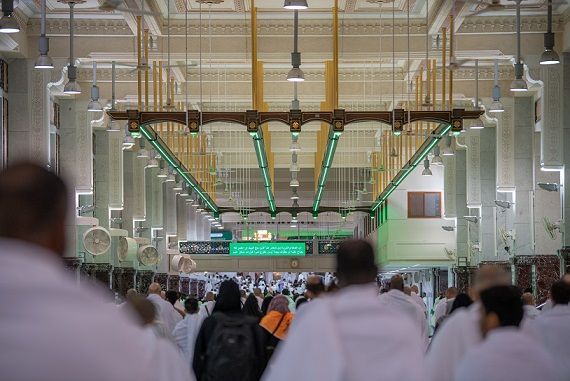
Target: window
{"x": 424, "y": 204}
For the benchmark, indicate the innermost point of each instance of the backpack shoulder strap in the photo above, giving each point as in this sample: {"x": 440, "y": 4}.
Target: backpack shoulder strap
{"x": 278, "y": 324}
{"x": 207, "y": 310}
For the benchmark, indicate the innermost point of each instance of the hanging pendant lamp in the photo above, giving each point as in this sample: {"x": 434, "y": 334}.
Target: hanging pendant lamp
{"x": 296, "y": 74}
{"x": 549, "y": 56}
{"x": 44, "y": 61}
{"x": 519, "y": 84}
{"x": 496, "y": 106}
{"x": 71, "y": 87}
{"x": 94, "y": 105}
{"x": 295, "y": 4}
{"x": 8, "y": 23}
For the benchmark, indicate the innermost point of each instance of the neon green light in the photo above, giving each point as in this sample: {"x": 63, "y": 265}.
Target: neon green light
{"x": 397, "y": 133}
{"x": 456, "y": 133}
{"x": 136, "y": 135}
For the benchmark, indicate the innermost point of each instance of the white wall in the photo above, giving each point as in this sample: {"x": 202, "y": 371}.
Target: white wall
{"x": 417, "y": 240}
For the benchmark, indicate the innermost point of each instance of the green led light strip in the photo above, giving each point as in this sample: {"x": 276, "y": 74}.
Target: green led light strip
{"x": 264, "y": 167}
{"x": 417, "y": 158}
{"x": 173, "y": 161}
{"x": 327, "y": 163}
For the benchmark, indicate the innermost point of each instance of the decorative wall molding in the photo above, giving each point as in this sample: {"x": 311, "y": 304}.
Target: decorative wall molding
{"x": 506, "y": 24}
{"x": 83, "y": 27}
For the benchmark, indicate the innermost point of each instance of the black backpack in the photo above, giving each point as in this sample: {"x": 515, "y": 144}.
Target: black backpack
{"x": 232, "y": 351}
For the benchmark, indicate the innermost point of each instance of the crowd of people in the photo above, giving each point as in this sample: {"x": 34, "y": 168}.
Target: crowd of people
{"x": 53, "y": 329}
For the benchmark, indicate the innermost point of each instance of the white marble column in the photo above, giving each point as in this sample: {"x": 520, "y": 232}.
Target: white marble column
{"x": 551, "y": 137}
{"x": 169, "y": 210}
{"x": 524, "y": 175}
{"x": 566, "y": 147}
{"x": 488, "y": 228}
{"x": 28, "y": 116}
{"x": 192, "y": 224}
{"x": 449, "y": 187}
{"x": 461, "y": 202}
{"x": 505, "y": 147}
{"x": 76, "y": 163}
{"x": 181, "y": 218}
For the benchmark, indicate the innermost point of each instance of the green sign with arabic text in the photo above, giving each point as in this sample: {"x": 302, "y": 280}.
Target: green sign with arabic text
{"x": 267, "y": 249}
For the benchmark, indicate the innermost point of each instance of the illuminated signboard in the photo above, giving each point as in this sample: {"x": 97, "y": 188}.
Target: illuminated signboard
{"x": 267, "y": 249}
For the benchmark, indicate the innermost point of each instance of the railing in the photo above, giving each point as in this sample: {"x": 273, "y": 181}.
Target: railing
{"x": 325, "y": 247}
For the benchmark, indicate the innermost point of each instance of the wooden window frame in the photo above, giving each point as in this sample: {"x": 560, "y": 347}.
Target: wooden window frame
{"x": 423, "y": 204}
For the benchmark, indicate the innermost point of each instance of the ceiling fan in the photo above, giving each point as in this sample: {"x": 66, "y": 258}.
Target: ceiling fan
{"x": 488, "y": 6}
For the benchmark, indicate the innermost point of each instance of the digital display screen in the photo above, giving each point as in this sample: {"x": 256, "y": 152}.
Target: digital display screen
{"x": 267, "y": 249}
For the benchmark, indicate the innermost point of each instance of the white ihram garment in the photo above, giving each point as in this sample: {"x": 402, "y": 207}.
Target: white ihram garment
{"x": 405, "y": 305}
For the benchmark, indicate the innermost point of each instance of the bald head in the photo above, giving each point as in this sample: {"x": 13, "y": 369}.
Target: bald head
{"x": 527, "y": 299}
{"x": 451, "y": 293}
{"x": 154, "y": 288}
{"x": 397, "y": 283}
{"x": 33, "y": 199}
{"x": 355, "y": 263}
{"x": 144, "y": 309}
{"x": 415, "y": 289}
{"x": 489, "y": 276}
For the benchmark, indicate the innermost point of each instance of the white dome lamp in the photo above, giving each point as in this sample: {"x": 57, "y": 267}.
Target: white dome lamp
{"x": 152, "y": 161}
{"x": 94, "y": 105}
{"x": 436, "y": 160}
{"x": 426, "y": 171}
{"x": 8, "y": 23}
{"x": 128, "y": 140}
{"x": 295, "y": 4}
{"x": 519, "y": 84}
{"x": 447, "y": 149}
{"x": 477, "y": 123}
{"x": 44, "y": 61}
{"x": 497, "y": 105}
{"x": 71, "y": 87}
{"x": 549, "y": 56}
{"x": 296, "y": 74}
{"x": 142, "y": 152}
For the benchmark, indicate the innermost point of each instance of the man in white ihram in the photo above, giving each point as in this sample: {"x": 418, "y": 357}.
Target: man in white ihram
{"x": 166, "y": 313}
{"x": 54, "y": 330}
{"x": 552, "y": 327}
{"x": 349, "y": 335}
{"x": 401, "y": 303}
{"x": 460, "y": 331}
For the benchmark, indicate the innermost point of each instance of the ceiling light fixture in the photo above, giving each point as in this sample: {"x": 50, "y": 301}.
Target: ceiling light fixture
{"x": 477, "y": 124}
{"x": 296, "y": 74}
{"x": 549, "y": 56}
{"x": 142, "y": 152}
{"x": 426, "y": 171}
{"x": 295, "y": 146}
{"x": 436, "y": 160}
{"x": 44, "y": 61}
{"x": 295, "y": 4}
{"x": 519, "y": 84}
{"x": 128, "y": 140}
{"x": 447, "y": 149}
{"x": 295, "y": 195}
{"x": 496, "y": 106}
{"x": 94, "y": 105}
{"x": 8, "y": 23}
{"x": 163, "y": 173}
{"x": 152, "y": 161}
{"x": 71, "y": 87}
